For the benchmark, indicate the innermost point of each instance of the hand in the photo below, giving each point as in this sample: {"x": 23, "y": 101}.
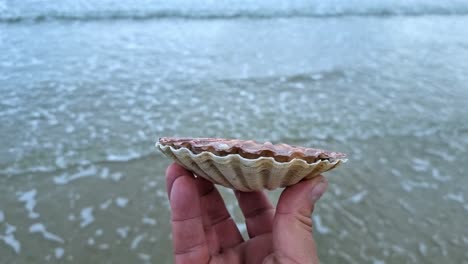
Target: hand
{"x": 204, "y": 232}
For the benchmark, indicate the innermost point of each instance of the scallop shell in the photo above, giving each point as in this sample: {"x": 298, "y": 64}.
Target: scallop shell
{"x": 246, "y": 165}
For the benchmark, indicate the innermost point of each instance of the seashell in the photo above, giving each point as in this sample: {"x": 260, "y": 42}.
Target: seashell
{"x": 246, "y": 165}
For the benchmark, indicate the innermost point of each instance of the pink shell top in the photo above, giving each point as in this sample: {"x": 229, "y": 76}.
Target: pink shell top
{"x": 250, "y": 149}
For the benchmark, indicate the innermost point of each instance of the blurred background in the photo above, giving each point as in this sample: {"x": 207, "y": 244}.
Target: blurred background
{"x": 86, "y": 87}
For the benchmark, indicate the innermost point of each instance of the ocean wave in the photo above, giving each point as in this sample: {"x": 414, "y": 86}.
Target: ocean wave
{"x": 110, "y": 158}
{"x": 12, "y": 15}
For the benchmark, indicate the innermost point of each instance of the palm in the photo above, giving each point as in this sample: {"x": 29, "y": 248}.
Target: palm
{"x": 204, "y": 232}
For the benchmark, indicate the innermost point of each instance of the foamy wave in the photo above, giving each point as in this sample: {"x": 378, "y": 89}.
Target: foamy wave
{"x": 40, "y": 228}
{"x": 66, "y": 178}
{"x": 87, "y": 217}
{"x": 83, "y": 10}
{"x": 29, "y": 200}
{"x": 123, "y": 157}
{"x": 111, "y": 157}
{"x": 10, "y": 239}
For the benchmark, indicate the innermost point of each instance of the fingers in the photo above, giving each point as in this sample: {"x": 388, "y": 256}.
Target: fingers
{"x": 175, "y": 170}
{"x": 292, "y": 228}
{"x": 190, "y": 245}
{"x": 258, "y": 212}
{"x": 172, "y": 173}
{"x": 218, "y": 220}
{"x": 220, "y": 229}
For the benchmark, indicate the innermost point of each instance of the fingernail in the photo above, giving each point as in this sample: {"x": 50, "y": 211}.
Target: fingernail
{"x": 318, "y": 191}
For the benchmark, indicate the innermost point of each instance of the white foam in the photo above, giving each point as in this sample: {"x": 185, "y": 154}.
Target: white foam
{"x": 65, "y": 178}
{"x": 121, "y": 201}
{"x": 420, "y": 164}
{"x": 29, "y": 198}
{"x": 98, "y": 232}
{"x": 161, "y": 194}
{"x": 422, "y": 248}
{"x": 87, "y": 217}
{"x": 319, "y": 226}
{"x": 337, "y": 190}
{"x": 71, "y": 217}
{"x": 125, "y": 118}
{"x": 123, "y": 231}
{"x": 377, "y": 261}
{"x": 103, "y": 246}
{"x": 104, "y": 173}
{"x": 406, "y": 206}
{"x": 316, "y": 76}
{"x": 69, "y": 129}
{"x": 417, "y": 107}
{"x": 298, "y": 85}
{"x": 136, "y": 241}
{"x": 60, "y": 162}
{"x": 10, "y": 239}
{"x": 40, "y": 228}
{"x": 396, "y": 172}
{"x": 142, "y": 134}
{"x": 408, "y": 185}
{"x": 149, "y": 221}
{"x": 105, "y": 204}
{"x": 441, "y": 154}
{"x": 465, "y": 240}
{"x": 59, "y": 253}
{"x": 398, "y": 249}
{"x": 144, "y": 257}
{"x": 16, "y": 171}
{"x": 436, "y": 175}
{"x": 116, "y": 176}
{"x": 357, "y": 198}
{"x": 457, "y": 197}
{"x": 348, "y": 259}
{"x": 123, "y": 157}
{"x": 356, "y": 220}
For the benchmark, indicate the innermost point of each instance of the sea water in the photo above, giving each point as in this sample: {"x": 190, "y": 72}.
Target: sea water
{"x": 86, "y": 88}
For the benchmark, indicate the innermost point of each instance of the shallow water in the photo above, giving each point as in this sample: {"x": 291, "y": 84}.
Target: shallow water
{"x": 84, "y": 101}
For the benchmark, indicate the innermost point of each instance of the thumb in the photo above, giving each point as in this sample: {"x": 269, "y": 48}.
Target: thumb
{"x": 292, "y": 228}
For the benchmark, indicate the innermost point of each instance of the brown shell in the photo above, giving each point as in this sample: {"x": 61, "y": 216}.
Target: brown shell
{"x": 250, "y": 149}
{"x": 246, "y": 165}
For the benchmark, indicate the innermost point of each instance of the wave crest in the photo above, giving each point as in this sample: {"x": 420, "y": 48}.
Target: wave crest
{"x": 83, "y": 11}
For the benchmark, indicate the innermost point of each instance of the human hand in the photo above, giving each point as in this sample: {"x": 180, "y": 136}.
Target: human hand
{"x": 204, "y": 232}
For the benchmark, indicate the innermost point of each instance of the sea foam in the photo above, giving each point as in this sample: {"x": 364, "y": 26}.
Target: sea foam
{"x": 40, "y": 228}
{"x": 29, "y": 198}
{"x": 10, "y": 240}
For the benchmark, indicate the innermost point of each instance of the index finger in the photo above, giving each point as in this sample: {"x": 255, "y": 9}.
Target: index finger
{"x": 189, "y": 240}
